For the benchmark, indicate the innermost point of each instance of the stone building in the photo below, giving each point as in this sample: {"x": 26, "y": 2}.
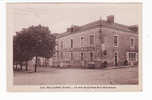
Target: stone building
{"x": 100, "y": 43}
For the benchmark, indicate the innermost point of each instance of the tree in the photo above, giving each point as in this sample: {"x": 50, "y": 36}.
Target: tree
{"x": 21, "y": 52}
{"x": 34, "y": 41}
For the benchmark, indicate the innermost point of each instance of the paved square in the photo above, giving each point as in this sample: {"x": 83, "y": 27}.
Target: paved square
{"x": 54, "y": 76}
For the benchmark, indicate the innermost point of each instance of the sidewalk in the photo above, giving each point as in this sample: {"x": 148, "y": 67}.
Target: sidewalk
{"x": 119, "y": 67}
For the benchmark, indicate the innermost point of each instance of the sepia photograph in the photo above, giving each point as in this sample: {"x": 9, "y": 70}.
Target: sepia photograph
{"x": 74, "y": 46}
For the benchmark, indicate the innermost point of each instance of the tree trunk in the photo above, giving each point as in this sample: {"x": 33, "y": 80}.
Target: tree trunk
{"x": 45, "y": 62}
{"x": 21, "y": 66}
{"x": 15, "y": 66}
{"x": 36, "y": 64}
{"x": 26, "y": 65}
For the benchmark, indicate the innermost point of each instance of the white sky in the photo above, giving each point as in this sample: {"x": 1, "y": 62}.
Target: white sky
{"x": 60, "y": 16}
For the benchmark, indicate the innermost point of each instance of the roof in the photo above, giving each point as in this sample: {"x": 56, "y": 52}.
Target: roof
{"x": 99, "y": 23}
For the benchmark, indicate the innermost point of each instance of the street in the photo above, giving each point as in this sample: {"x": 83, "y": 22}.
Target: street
{"x": 57, "y": 76}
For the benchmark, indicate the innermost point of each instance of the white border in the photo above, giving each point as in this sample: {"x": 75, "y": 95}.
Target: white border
{"x": 147, "y": 63}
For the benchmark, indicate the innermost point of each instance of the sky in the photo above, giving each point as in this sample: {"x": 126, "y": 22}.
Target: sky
{"x": 59, "y": 16}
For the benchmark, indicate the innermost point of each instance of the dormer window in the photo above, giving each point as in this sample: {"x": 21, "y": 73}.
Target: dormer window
{"x": 72, "y": 29}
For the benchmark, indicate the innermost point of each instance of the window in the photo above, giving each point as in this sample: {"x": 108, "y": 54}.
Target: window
{"x": 82, "y": 39}
{"x": 71, "y": 43}
{"x": 132, "y": 42}
{"x": 57, "y": 45}
{"x": 132, "y": 56}
{"x": 57, "y": 54}
{"x": 115, "y": 41}
{"x": 56, "y": 42}
{"x": 81, "y": 56}
{"x": 91, "y": 39}
{"x": 61, "y": 44}
{"x": 61, "y": 55}
{"x": 71, "y": 56}
{"x": 91, "y": 56}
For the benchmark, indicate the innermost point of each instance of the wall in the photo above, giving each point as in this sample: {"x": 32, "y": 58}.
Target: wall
{"x": 77, "y": 46}
{"x": 123, "y": 44}
{"x": 107, "y": 36}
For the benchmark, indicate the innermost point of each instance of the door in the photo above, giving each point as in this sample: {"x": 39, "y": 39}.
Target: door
{"x": 116, "y": 59}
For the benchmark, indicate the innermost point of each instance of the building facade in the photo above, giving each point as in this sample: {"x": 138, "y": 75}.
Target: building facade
{"x": 99, "y": 44}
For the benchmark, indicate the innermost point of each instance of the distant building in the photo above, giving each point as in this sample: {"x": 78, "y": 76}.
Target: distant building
{"x": 97, "y": 43}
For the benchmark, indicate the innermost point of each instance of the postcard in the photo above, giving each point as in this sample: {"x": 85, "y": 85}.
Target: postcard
{"x": 87, "y": 47}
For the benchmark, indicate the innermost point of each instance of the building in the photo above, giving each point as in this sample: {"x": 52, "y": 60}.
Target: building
{"x": 100, "y": 43}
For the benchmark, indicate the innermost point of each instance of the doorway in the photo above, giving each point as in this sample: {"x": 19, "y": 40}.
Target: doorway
{"x": 116, "y": 59}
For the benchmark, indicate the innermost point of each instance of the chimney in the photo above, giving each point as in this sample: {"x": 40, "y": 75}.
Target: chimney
{"x": 68, "y": 29}
{"x": 73, "y": 28}
{"x": 133, "y": 28}
{"x": 110, "y": 19}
